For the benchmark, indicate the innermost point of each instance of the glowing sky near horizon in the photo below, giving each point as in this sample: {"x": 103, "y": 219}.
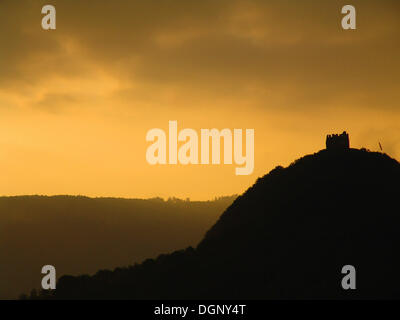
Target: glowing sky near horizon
{"x": 76, "y": 103}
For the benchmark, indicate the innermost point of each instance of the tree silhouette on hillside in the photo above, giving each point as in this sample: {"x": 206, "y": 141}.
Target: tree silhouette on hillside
{"x": 287, "y": 237}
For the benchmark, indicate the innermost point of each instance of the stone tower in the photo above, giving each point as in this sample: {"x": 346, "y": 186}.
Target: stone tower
{"x": 337, "y": 141}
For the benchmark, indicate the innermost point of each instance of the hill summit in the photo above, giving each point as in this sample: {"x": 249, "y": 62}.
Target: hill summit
{"x": 287, "y": 237}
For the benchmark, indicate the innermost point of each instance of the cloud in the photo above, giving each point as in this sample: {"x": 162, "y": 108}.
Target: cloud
{"x": 114, "y": 69}
{"x": 285, "y": 48}
{"x": 273, "y": 52}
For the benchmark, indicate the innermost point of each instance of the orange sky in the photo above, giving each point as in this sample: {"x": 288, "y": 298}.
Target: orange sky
{"x": 76, "y": 103}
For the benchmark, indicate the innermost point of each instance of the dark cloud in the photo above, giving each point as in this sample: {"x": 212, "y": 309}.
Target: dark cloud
{"x": 278, "y": 49}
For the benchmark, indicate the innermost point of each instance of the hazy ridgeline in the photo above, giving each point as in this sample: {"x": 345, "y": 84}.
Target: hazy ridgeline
{"x": 287, "y": 237}
{"x": 82, "y": 235}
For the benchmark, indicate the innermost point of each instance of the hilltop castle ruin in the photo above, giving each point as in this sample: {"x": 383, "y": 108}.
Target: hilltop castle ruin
{"x": 337, "y": 141}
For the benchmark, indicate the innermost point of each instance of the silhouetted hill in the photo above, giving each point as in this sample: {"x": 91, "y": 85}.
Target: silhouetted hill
{"x": 286, "y": 237}
{"x": 82, "y": 235}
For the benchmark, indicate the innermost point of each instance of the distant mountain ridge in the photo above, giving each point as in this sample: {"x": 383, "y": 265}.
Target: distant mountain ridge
{"x": 287, "y": 237}
{"x": 79, "y": 234}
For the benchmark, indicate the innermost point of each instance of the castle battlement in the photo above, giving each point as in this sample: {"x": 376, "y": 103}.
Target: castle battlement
{"x": 337, "y": 141}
